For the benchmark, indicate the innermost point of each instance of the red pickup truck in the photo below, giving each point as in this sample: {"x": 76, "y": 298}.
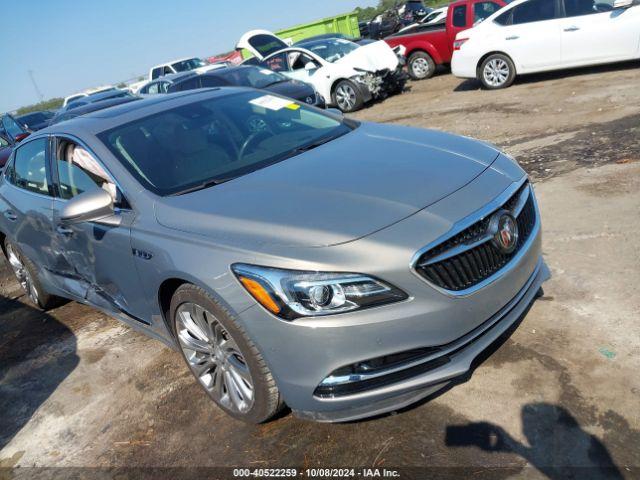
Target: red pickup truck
{"x": 431, "y": 45}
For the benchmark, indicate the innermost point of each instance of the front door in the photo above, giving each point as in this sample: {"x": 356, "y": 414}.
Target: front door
{"x": 591, "y": 35}
{"x": 94, "y": 260}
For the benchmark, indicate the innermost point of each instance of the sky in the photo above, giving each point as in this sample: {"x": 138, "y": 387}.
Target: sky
{"x": 70, "y": 45}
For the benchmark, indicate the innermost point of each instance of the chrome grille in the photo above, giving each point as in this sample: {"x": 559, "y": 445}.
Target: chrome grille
{"x": 470, "y": 256}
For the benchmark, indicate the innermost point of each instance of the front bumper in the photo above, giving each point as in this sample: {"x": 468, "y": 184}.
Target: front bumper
{"x": 304, "y": 353}
{"x": 381, "y": 84}
{"x": 453, "y": 361}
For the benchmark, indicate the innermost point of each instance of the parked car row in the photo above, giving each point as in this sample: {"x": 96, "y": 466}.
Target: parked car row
{"x": 493, "y": 41}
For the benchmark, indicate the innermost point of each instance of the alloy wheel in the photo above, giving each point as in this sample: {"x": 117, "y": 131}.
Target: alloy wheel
{"x": 420, "y": 67}
{"x": 496, "y": 72}
{"x": 22, "y": 274}
{"x": 214, "y": 357}
{"x": 346, "y": 97}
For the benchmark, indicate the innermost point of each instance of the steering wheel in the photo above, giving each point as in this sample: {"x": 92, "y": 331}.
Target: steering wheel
{"x": 251, "y": 141}
{"x": 256, "y": 123}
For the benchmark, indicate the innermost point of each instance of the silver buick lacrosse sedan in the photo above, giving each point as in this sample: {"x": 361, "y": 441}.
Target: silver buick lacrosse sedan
{"x": 293, "y": 256}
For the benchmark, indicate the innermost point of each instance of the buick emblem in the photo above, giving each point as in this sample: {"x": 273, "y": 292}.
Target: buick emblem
{"x": 504, "y": 229}
{"x": 309, "y": 100}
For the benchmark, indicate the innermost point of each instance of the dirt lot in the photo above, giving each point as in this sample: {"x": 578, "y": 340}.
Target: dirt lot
{"x": 78, "y": 389}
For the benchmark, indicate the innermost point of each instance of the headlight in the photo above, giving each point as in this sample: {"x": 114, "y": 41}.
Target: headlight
{"x": 291, "y": 294}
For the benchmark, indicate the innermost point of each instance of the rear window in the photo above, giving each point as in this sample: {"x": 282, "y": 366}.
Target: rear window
{"x": 217, "y": 139}
{"x": 460, "y": 16}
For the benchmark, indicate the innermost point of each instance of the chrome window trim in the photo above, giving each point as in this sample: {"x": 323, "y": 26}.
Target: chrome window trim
{"x": 465, "y": 223}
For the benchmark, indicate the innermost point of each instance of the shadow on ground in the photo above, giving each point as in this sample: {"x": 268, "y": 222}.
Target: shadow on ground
{"x": 554, "y": 436}
{"x": 37, "y": 353}
{"x": 472, "y": 84}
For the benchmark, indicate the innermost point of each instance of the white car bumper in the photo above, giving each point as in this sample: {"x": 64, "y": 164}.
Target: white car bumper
{"x": 464, "y": 64}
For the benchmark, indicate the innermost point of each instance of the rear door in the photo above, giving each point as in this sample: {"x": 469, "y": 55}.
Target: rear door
{"x": 593, "y": 32}
{"x": 531, "y": 35}
{"x": 26, "y": 201}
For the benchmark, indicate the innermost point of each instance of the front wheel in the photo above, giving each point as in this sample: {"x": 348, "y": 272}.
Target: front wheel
{"x": 221, "y": 356}
{"x": 497, "y": 71}
{"x": 421, "y": 66}
{"x": 27, "y": 275}
{"x": 347, "y": 96}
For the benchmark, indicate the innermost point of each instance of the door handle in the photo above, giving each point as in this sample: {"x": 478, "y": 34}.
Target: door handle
{"x": 512, "y": 37}
{"x": 10, "y": 215}
{"x": 62, "y": 230}
{"x": 572, "y": 29}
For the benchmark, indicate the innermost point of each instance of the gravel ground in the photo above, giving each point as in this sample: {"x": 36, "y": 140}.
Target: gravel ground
{"x": 558, "y": 397}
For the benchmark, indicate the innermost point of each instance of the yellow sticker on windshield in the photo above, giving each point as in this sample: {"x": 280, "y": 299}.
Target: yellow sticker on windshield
{"x": 293, "y": 106}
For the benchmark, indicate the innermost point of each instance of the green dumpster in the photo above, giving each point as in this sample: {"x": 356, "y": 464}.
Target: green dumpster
{"x": 346, "y": 24}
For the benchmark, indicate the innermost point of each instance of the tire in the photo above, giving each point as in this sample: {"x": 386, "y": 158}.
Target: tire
{"x": 227, "y": 361}
{"x": 421, "y": 66}
{"x": 497, "y": 71}
{"x": 347, "y": 96}
{"x": 27, "y": 275}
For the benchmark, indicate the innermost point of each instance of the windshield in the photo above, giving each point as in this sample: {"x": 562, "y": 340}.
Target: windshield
{"x": 213, "y": 140}
{"x": 36, "y": 117}
{"x": 186, "y": 65}
{"x": 332, "y": 49}
{"x": 251, "y": 77}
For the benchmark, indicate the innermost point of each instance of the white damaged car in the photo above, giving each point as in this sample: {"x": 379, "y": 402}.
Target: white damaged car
{"x": 346, "y": 74}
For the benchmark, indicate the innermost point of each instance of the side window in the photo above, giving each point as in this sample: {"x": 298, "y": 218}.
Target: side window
{"x": 156, "y": 72}
{"x": 211, "y": 81}
{"x": 504, "y": 18}
{"x": 299, "y": 60}
{"x": 79, "y": 172}
{"x": 576, "y": 8}
{"x": 190, "y": 84}
{"x": 153, "y": 88}
{"x": 534, "y": 11}
{"x": 3, "y": 143}
{"x": 482, "y": 10}
{"x": 30, "y": 167}
{"x": 163, "y": 87}
{"x": 9, "y": 170}
{"x": 167, "y": 71}
{"x": 277, "y": 63}
{"x": 460, "y": 16}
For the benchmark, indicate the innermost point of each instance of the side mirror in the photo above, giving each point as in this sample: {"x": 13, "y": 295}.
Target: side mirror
{"x": 21, "y": 136}
{"x": 310, "y": 66}
{"x": 89, "y": 207}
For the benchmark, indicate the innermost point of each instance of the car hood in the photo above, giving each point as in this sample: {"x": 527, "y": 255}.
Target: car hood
{"x": 372, "y": 57}
{"x": 292, "y": 89}
{"x": 346, "y": 189}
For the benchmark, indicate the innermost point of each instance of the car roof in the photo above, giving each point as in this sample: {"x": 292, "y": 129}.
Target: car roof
{"x": 174, "y": 77}
{"x": 106, "y": 118}
{"x": 94, "y": 107}
{"x": 323, "y": 36}
{"x": 171, "y": 62}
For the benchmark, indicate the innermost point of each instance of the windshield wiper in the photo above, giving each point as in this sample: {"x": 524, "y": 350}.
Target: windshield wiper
{"x": 201, "y": 186}
{"x": 276, "y": 82}
{"x": 317, "y": 143}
